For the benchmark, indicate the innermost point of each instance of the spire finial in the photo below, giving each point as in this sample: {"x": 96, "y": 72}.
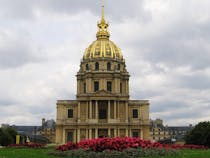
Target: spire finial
{"x": 102, "y": 25}
{"x": 102, "y": 11}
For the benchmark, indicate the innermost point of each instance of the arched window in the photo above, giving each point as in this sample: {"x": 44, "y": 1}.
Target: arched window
{"x": 108, "y": 66}
{"x": 96, "y": 66}
{"x": 87, "y": 67}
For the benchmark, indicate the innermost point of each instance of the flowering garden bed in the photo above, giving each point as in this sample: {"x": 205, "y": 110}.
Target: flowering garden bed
{"x": 27, "y": 145}
{"x": 119, "y": 147}
{"x": 119, "y": 144}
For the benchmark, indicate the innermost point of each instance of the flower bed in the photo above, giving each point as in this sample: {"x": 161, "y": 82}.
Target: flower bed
{"x": 126, "y": 147}
{"x": 117, "y": 143}
{"x": 28, "y": 145}
{"x": 185, "y": 146}
{"x": 126, "y": 153}
{"x": 120, "y": 144}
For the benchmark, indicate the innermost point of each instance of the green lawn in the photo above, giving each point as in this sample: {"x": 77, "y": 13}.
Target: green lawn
{"x": 43, "y": 153}
{"x": 25, "y": 153}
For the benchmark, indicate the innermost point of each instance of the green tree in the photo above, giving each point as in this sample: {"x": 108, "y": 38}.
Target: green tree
{"x": 200, "y": 135}
{"x": 7, "y": 136}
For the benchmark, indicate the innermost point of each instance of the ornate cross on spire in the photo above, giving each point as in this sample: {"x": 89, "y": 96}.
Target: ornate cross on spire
{"x": 102, "y": 26}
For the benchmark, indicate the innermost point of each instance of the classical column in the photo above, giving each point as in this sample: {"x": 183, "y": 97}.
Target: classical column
{"x": 116, "y": 87}
{"x": 126, "y": 111}
{"x": 127, "y": 87}
{"x": 78, "y": 135}
{"x": 118, "y": 109}
{"x": 118, "y": 132}
{"x": 87, "y": 111}
{"x": 75, "y": 136}
{"x": 130, "y": 132}
{"x": 78, "y": 112}
{"x": 89, "y": 87}
{"x": 90, "y": 108}
{"x": 115, "y": 110}
{"x": 142, "y": 134}
{"x": 109, "y": 132}
{"x": 109, "y": 110}
{"x": 96, "y": 132}
{"x": 79, "y": 86}
{"x": 115, "y": 132}
{"x": 86, "y": 134}
{"x": 90, "y": 133}
{"x": 96, "y": 110}
{"x": 126, "y": 132}
{"x": 64, "y": 136}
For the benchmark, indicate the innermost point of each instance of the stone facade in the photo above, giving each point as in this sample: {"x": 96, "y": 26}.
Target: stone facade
{"x": 48, "y": 130}
{"x": 161, "y": 133}
{"x": 158, "y": 131}
{"x": 102, "y": 106}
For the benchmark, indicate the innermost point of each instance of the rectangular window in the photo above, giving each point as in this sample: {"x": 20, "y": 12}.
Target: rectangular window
{"x": 102, "y": 114}
{"x": 135, "y": 113}
{"x": 96, "y": 86}
{"x": 84, "y": 87}
{"x": 120, "y": 87}
{"x": 109, "y": 86}
{"x": 136, "y": 134}
{"x": 70, "y": 113}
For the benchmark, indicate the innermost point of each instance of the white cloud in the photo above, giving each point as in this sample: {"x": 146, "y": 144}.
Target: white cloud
{"x": 165, "y": 44}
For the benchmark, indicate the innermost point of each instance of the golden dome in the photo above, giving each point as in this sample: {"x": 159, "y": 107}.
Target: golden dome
{"x": 103, "y": 47}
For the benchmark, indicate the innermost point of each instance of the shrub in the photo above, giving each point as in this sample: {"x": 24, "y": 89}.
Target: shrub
{"x": 7, "y": 136}
{"x": 200, "y": 135}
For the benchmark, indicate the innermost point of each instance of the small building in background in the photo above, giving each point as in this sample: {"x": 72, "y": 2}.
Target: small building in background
{"x": 158, "y": 131}
{"x": 48, "y": 130}
{"x": 168, "y": 134}
{"x": 40, "y": 134}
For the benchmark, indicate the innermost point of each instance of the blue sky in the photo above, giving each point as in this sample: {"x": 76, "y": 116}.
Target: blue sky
{"x": 165, "y": 44}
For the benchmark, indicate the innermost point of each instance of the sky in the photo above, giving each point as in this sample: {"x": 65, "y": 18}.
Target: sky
{"x": 166, "y": 45}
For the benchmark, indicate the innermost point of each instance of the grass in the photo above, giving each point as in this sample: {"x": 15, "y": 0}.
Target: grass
{"x": 43, "y": 153}
{"x": 25, "y": 153}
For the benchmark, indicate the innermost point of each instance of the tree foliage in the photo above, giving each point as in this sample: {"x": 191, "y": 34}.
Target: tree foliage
{"x": 7, "y": 136}
{"x": 200, "y": 135}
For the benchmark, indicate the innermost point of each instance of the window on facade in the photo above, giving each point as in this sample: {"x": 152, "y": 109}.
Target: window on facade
{"x": 135, "y": 113}
{"x": 96, "y": 86}
{"x": 118, "y": 67}
{"x": 136, "y": 134}
{"x": 120, "y": 87}
{"x": 70, "y": 137}
{"x": 87, "y": 67}
{"x": 84, "y": 87}
{"x": 96, "y": 66}
{"x": 108, "y": 66}
{"x": 70, "y": 113}
{"x": 102, "y": 114}
{"x": 109, "y": 86}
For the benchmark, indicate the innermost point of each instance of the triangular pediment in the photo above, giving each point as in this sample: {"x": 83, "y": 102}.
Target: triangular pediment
{"x": 104, "y": 93}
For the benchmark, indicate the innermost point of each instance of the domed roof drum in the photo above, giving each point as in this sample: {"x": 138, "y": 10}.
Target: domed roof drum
{"x": 103, "y": 47}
